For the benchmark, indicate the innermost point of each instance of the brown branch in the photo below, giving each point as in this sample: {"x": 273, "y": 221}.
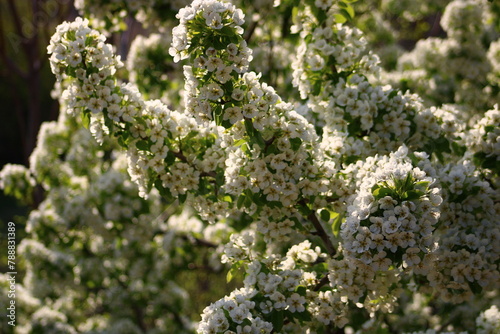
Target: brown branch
{"x": 198, "y": 241}
{"x": 250, "y": 30}
{"x": 324, "y": 281}
{"x": 320, "y": 231}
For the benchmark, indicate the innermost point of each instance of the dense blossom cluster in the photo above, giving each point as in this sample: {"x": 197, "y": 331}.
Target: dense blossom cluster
{"x": 468, "y": 253}
{"x": 358, "y": 201}
{"x": 393, "y": 209}
{"x": 16, "y": 181}
{"x": 275, "y": 288}
{"x": 358, "y": 119}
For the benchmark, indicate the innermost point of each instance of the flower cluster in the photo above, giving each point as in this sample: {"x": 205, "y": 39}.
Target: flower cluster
{"x": 16, "y": 181}
{"x": 468, "y": 250}
{"x": 357, "y": 118}
{"x": 388, "y": 228}
{"x": 150, "y": 131}
{"x": 394, "y": 212}
{"x": 484, "y": 141}
{"x": 488, "y": 321}
{"x": 278, "y": 293}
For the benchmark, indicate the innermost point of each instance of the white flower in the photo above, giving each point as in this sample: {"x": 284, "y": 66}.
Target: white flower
{"x": 213, "y": 91}
{"x": 214, "y": 20}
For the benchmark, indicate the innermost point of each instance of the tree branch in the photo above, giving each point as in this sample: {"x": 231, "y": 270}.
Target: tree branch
{"x": 320, "y": 231}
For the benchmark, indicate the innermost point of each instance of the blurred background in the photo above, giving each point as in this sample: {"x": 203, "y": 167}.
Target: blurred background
{"x": 25, "y": 80}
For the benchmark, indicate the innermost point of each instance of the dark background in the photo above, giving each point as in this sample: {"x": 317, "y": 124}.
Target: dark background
{"x": 25, "y": 81}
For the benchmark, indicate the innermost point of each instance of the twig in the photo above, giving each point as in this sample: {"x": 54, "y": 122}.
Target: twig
{"x": 321, "y": 232}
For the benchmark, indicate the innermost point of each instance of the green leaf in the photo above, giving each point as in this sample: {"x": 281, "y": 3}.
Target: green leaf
{"x": 414, "y": 194}
{"x": 337, "y": 221}
{"x": 339, "y": 18}
{"x": 227, "y": 31}
{"x": 346, "y": 8}
{"x": 277, "y": 319}
{"x": 219, "y": 44}
{"x": 295, "y": 142}
{"x": 219, "y": 178}
{"x": 304, "y": 210}
{"x": 489, "y": 128}
{"x": 249, "y": 127}
{"x": 382, "y": 192}
{"x": 325, "y": 215}
{"x": 86, "y": 119}
{"x": 233, "y": 271}
{"x": 301, "y": 290}
{"x": 164, "y": 192}
{"x": 248, "y": 202}
{"x": 302, "y": 316}
{"x": 182, "y": 198}
{"x": 354, "y": 126}
{"x": 423, "y": 184}
{"x": 458, "y": 149}
{"x": 170, "y": 158}
{"x": 109, "y": 122}
{"x": 240, "y": 201}
{"x": 191, "y": 135}
{"x": 70, "y": 71}
{"x": 239, "y": 142}
{"x": 317, "y": 87}
{"x": 142, "y": 145}
{"x": 351, "y": 159}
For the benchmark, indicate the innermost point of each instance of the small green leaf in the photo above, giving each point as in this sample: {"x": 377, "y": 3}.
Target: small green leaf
{"x": 414, "y": 194}
{"x": 489, "y": 128}
{"x": 302, "y": 316}
{"x": 191, "y": 135}
{"x": 70, "y": 71}
{"x": 227, "y": 31}
{"x": 122, "y": 141}
{"x": 239, "y": 142}
{"x": 248, "y": 202}
{"x": 277, "y": 319}
{"x": 301, "y": 290}
{"x": 382, "y": 192}
{"x": 142, "y": 145}
{"x": 182, "y": 198}
{"x": 346, "y": 8}
{"x": 86, "y": 119}
{"x": 337, "y": 221}
{"x": 295, "y": 142}
{"x": 240, "y": 201}
{"x": 458, "y": 149}
{"x": 233, "y": 271}
{"x": 339, "y": 18}
{"x": 325, "y": 215}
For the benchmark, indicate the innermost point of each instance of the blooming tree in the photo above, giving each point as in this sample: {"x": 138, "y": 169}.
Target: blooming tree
{"x": 347, "y": 203}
